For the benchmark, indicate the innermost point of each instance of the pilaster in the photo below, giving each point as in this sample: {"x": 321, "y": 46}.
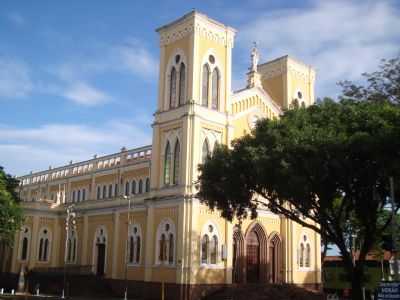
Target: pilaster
{"x": 84, "y": 260}
{"x": 115, "y": 245}
{"x": 148, "y": 260}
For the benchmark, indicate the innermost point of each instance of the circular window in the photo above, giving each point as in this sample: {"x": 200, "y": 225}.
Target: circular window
{"x": 305, "y": 238}
{"x": 210, "y": 228}
{"x": 45, "y": 231}
{"x": 211, "y": 59}
{"x": 299, "y": 95}
{"x": 177, "y": 58}
{"x": 26, "y": 230}
{"x": 166, "y": 227}
{"x": 135, "y": 230}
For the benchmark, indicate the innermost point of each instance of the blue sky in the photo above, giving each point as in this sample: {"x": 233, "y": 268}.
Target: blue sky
{"x": 79, "y": 78}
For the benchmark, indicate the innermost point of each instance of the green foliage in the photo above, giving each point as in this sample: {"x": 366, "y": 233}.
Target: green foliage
{"x": 10, "y": 211}
{"x": 327, "y": 167}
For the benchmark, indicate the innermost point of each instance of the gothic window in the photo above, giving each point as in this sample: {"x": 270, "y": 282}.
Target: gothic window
{"x": 165, "y": 249}
{"x": 127, "y": 188}
{"x": 175, "y": 179}
{"x": 167, "y": 165}
{"x": 24, "y": 243}
{"x": 204, "y": 249}
{"x": 98, "y": 192}
{"x": 215, "y": 89}
{"x": 44, "y": 244}
{"x": 172, "y": 89}
{"x": 209, "y": 244}
{"x": 140, "y": 186}
{"x": 116, "y": 190}
{"x": 110, "y": 191}
{"x": 133, "y": 190}
{"x": 305, "y": 252}
{"x": 204, "y": 85}
{"x": 71, "y": 247}
{"x": 147, "y": 185}
{"x": 104, "y": 192}
{"x": 134, "y": 244}
{"x": 205, "y": 151}
{"x": 182, "y": 83}
{"x": 308, "y": 256}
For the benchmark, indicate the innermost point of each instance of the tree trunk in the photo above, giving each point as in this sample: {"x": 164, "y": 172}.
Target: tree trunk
{"x": 356, "y": 283}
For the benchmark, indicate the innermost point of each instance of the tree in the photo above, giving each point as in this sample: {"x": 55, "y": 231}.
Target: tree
{"x": 330, "y": 163}
{"x": 10, "y": 211}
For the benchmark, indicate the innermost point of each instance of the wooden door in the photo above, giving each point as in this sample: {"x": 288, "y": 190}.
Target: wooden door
{"x": 253, "y": 257}
{"x": 101, "y": 257}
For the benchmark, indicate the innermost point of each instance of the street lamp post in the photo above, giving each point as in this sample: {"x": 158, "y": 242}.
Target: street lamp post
{"x": 127, "y": 246}
{"x": 69, "y": 221}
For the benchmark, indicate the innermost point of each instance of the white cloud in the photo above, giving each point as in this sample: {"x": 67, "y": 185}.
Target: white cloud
{"x": 340, "y": 38}
{"x": 83, "y": 93}
{"x": 137, "y": 59}
{"x": 25, "y": 149}
{"x": 16, "y": 18}
{"x": 15, "y": 79}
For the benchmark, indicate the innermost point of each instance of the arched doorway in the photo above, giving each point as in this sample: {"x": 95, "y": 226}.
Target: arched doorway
{"x": 238, "y": 256}
{"x": 100, "y": 248}
{"x": 253, "y": 257}
{"x": 274, "y": 259}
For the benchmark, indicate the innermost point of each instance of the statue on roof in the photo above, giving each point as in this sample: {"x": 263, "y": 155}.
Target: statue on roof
{"x": 255, "y": 57}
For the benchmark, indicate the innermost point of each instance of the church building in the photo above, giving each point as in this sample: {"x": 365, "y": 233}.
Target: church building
{"x": 134, "y": 214}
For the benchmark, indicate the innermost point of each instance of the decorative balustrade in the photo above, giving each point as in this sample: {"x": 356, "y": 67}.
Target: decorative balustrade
{"x": 85, "y": 167}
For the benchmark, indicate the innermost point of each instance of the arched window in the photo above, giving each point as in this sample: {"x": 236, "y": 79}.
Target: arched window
{"x": 44, "y": 244}
{"x": 215, "y": 89}
{"x": 133, "y": 190}
{"x": 79, "y": 195}
{"x": 104, "y": 192}
{"x": 98, "y": 192}
{"x": 209, "y": 244}
{"x": 83, "y": 194}
{"x": 175, "y": 179}
{"x": 110, "y": 191}
{"x": 205, "y": 151}
{"x": 204, "y": 249}
{"x": 116, "y": 190}
{"x": 140, "y": 186}
{"x": 134, "y": 244}
{"x": 308, "y": 256}
{"x": 73, "y": 196}
{"x": 127, "y": 188}
{"x": 172, "y": 89}
{"x": 25, "y": 237}
{"x": 182, "y": 84}
{"x": 165, "y": 246}
{"x": 305, "y": 252}
{"x": 72, "y": 243}
{"x": 167, "y": 165}
{"x": 204, "y": 85}
{"x": 147, "y": 185}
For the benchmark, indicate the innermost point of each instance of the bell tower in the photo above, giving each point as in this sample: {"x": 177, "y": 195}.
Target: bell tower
{"x": 193, "y": 99}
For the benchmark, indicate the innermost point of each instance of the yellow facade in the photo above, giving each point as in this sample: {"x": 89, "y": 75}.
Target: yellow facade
{"x": 170, "y": 236}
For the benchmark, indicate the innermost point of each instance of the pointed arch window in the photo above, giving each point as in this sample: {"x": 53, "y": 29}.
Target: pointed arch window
{"x": 305, "y": 253}
{"x": 205, "y": 151}
{"x": 182, "y": 84}
{"x": 165, "y": 250}
{"x": 204, "y": 85}
{"x": 24, "y": 243}
{"x": 177, "y": 151}
{"x": 44, "y": 245}
{"x": 140, "y": 186}
{"x": 147, "y": 185}
{"x": 127, "y": 188}
{"x": 209, "y": 245}
{"x": 133, "y": 190}
{"x": 167, "y": 165}
{"x": 215, "y": 89}
{"x": 172, "y": 89}
{"x": 134, "y": 249}
{"x": 307, "y": 256}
